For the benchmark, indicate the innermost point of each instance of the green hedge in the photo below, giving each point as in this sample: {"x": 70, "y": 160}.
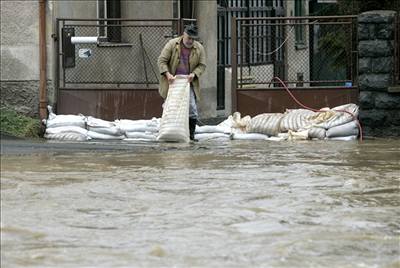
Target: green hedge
{"x": 19, "y": 125}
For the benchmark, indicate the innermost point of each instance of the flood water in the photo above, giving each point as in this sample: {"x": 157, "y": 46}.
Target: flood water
{"x": 211, "y": 204}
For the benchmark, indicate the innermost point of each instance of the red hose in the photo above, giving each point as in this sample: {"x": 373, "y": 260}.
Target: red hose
{"x": 314, "y": 110}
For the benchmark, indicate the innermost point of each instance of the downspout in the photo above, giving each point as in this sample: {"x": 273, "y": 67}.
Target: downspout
{"x": 42, "y": 61}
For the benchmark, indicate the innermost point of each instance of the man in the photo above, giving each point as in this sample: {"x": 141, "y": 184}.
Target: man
{"x": 183, "y": 56}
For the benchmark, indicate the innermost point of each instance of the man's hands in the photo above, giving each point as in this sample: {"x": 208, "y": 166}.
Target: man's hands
{"x": 190, "y": 77}
{"x": 170, "y": 77}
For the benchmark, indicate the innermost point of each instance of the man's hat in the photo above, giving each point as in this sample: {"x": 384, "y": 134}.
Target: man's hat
{"x": 191, "y": 30}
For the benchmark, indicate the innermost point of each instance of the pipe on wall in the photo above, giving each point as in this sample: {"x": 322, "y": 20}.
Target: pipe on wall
{"x": 42, "y": 61}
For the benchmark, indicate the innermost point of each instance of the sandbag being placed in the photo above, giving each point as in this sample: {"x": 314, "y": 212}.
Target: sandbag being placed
{"x": 268, "y": 124}
{"x": 348, "y": 129}
{"x": 174, "y": 125}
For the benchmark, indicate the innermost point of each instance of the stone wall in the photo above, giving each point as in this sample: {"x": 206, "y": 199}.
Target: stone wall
{"x": 379, "y": 109}
{"x": 23, "y": 96}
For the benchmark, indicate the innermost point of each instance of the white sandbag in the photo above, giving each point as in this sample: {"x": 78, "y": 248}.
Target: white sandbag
{"x": 174, "y": 125}
{"x": 100, "y": 136}
{"x": 297, "y": 119}
{"x": 348, "y": 129}
{"x": 66, "y": 129}
{"x": 211, "y": 136}
{"x": 141, "y": 128}
{"x": 67, "y": 136}
{"x": 140, "y": 135}
{"x": 95, "y": 122}
{"x": 348, "y": 138}
{"x": 239, "y": 124}
{"x": 248, "y": 136}
{"x": 268, "y": 124}
{"x": 341, "y": 118}
{"x": 115, "y": 131}
{"x": 66, "y": 120}
{"x": 211, "y": 129}
{"x": 298, "y": 135}
{"x": 317, "y": 133}
{"x": 127, "y": 124}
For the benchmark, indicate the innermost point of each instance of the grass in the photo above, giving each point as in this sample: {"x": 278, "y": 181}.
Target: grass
{"x": 18, "y": 125}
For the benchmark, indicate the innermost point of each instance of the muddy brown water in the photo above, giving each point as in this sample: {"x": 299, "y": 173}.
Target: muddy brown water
{"x": 211, "y": 204}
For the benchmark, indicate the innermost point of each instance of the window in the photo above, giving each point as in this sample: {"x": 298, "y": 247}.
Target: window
{"x": 108, "y": 9}
{"x": 299, "y": 11}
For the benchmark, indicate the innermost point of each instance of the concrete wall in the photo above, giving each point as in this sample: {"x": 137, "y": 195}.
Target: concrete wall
{"x": 206, "y": 15}
{"x": 379, "y": 109}
{"x": 20, "y": 55}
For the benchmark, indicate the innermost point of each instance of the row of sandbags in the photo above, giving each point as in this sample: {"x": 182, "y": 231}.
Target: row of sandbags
{"x": 338, "y": 123}
{"x": 81, "y": 128}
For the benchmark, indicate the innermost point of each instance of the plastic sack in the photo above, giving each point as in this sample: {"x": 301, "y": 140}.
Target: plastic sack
{"x": 140, "y": 135}
{"x": 268, "y": 124}
{"x": 115, "y": 131}
{"x": 66, "y": 129}
{"x": 295, "y": 120}
{"x": 340, "y": 118}
{"x": 95, "y": 122}
{"x": 174, "y": 125}
{"x": 100, "y": 136}
{"x": 211, "y": 129}
{"x": 248, "y": 136}
{"x": 317, "y": 133}
{"x": 348, "y": 129}
{"x": 211, "y": 136}
{"x": 67, "y": 136}
{"x": 348, "y": 138}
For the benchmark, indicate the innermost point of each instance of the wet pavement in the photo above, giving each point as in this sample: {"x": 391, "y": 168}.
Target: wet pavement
{"x": 208, "y": 204}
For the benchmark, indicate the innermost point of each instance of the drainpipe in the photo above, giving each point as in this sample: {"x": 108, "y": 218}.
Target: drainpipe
{"x": 42, "y": 60}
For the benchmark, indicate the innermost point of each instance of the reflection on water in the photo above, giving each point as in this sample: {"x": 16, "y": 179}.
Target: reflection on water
{"x": 300, "y": 204}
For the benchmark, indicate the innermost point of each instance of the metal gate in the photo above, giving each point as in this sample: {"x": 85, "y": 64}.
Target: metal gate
{"x": 227, "y": 9}
{"x": 107, "y": 68}
{"x": 315, "y": 56}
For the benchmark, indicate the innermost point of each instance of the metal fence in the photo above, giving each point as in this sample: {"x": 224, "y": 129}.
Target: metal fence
{"x": 124, "y": 54}
{"x": 302, "y": 51}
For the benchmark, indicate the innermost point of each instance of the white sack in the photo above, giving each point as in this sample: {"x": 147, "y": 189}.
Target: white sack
{"x": 66, "y": 120}
{"x": 211, "y": 129}
{"x": 268, "y": 124}
{"x": 100, "y": 136}
{"x": 317, "y": 133}
{"x": 95, "y": 122}
{"x": 211, "y": 136}
{"x": 140, "y": 135}
{"x": 115, "y": 131}
{"x": 129, "y": 125}
{"x": 248, "y": 136}
{"x": 174, "y": 125}
{"x": 348, "y": 129}
{"x": 66, "y": 129}
{"x": 67, "y": 136}
{"x": 140, "y": 128}
{"x": 348, "y": 138}
{"x": 295, "y": 120}
{"x": 340, "y": 118}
